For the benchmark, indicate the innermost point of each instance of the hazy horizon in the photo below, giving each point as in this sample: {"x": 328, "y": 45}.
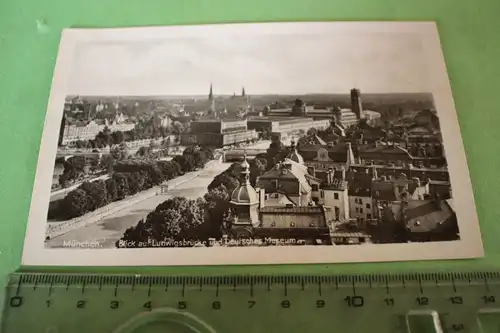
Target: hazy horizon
{"x": 251, "y": 95}
{"x": 329, "y": 63}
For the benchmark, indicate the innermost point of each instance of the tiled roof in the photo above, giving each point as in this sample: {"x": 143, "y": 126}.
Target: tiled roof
{"x": 340, "y": 147}
{"x": 426, "y": 215}
{"x": 386, "y": 149}
{"x": 294, "y": 210}
{"x": 360, "y": 185}
{"x": 383, "y": 191}
{"x": 292, "y": 170}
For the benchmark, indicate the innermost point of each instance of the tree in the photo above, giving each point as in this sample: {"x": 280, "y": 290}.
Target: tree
{"x": 257, "y": 168}
{"x": 186, "y": 162}
{"x": 143, "y": 151}
{"x": 169, "y": 169}
{"x": 117, "y": 137}
{"x": 199, "y": 159}
{"x": 119, "y": 152}
{"x": 312, "y": 131}
{"x": 122, "y": 188}
{"x": 107, "y": 162}
{"x": 230, "y": 182}
{"x": 104, "y": 137}
{"x": 111, "y": 189}
{"x": 177, "y": 128}
{"x": 97, "y": 195}
{"x": 94, "y": 164}
{"x": 136, "y": 182}
{"x": 75, "y": 167}
{"x": 175, "y": 219}
{"x": 75, "y": 203}
{"x": 80, "y": 144}
{"x": 64, "y": 180}
{"x": 218, "y": 210}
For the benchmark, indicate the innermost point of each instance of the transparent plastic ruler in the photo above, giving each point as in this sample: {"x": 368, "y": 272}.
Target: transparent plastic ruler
{"x": 416, "y": 303}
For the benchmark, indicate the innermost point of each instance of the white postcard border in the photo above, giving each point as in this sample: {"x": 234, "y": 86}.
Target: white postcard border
{"x": 469, "y": 246}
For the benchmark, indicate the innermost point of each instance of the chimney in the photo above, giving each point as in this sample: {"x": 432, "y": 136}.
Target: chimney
{"x": 374, "y": 172}
{"x": 343, "y": 173}
{"x": 437, "y": 201}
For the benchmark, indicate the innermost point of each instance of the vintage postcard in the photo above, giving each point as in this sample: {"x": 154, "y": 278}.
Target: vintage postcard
{"x": 251, "y": 144}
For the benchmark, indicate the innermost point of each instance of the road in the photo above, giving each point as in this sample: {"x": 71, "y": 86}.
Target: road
{"x": 111, "y": 228}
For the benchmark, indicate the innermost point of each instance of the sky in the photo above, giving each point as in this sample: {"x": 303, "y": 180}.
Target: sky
{"x": 288, "y": 64}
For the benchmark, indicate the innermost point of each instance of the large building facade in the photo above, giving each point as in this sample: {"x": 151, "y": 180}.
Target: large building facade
{"x": 88, "y": 130}
{"x": 219, "y": 132}
{"x": 286, "y": 126}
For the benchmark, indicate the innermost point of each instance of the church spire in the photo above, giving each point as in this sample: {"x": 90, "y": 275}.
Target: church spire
{"x": 243, "y": 94}
{"x": 211, "y": 93}
{"x": 245, "y": 173}
{"x": 350, "y": 156}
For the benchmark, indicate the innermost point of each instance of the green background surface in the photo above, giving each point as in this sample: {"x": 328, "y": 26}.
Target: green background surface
{"x": 469, "y": 32}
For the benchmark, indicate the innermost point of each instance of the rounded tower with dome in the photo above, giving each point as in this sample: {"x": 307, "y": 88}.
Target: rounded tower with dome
{"x": 245, "y": 204}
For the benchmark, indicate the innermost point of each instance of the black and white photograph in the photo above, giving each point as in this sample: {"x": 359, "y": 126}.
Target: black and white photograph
{"x": 251, "y": 144}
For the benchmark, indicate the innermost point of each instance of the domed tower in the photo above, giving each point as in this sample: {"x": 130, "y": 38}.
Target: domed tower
{"x": 244, "y": 203}
{"x": 294, "y": 154}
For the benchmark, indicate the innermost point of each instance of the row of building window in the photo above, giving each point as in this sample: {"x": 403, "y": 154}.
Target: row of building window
{"x": 322, "y": 194}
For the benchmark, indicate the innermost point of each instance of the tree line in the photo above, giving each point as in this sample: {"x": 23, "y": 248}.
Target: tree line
{"x": 127, "y": 178}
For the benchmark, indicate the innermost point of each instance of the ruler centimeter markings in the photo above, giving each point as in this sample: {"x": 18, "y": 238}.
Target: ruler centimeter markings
{"x": 462, "y": 302}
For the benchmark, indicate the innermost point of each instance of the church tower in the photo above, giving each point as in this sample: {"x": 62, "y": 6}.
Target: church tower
{"x": 243, "y": 94}
{"x": 211, "y": 93}
{"x": 356, "y": 104}
{"x": 350, "y": 156}
{"x": 244, "y": 203}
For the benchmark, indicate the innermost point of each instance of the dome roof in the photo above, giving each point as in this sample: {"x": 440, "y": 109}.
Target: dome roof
{"x": 244, "y": 165}
{"x": 244, "y": 194}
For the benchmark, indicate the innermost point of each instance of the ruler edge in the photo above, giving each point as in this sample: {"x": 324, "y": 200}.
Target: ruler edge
{"x": 42, "y": 278}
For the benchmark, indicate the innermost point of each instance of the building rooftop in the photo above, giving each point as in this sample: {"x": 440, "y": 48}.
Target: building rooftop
{"x": 425, "y": 215}
{"x": 288, "y": 170}
{"x": 294, "y": 210}
{"x": 360, "y": 185}
{"x": 383, "y": 148}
